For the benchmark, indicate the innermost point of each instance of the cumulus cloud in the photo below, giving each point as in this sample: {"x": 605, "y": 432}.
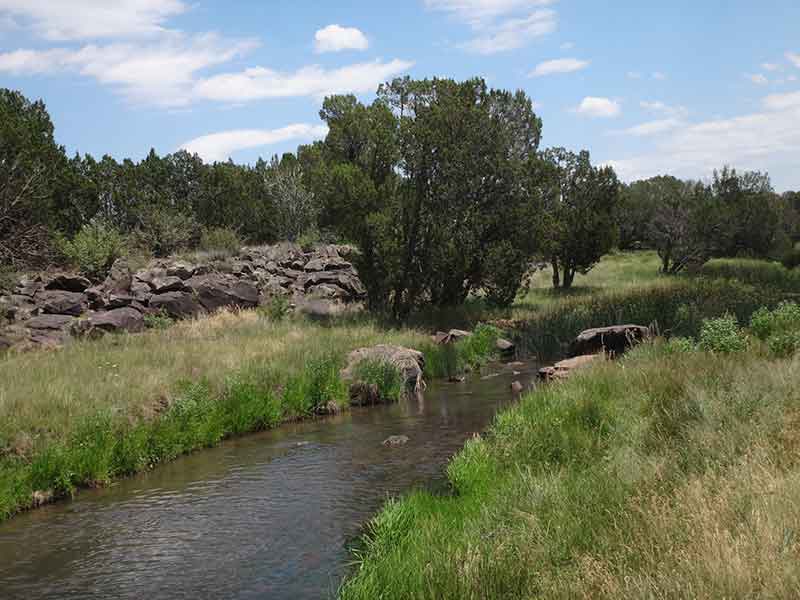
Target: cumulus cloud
{"x": 760, "y": 140}
{"x": 335, "y": 38}
{"x": 163, "y": 73}
{"x": 793, "y": 58}
{"x": 88, "y": 19}
{"x": 479, "y": 12}
{"x": 221, "y": 146}
{"x": 663, "y": 108}
{"x": 559, "y": 65}
{"x": 260, "y": 83}
{"x": 511, "y": 34}
{"x": 653, "y": 127}
{"x": 599, "y": 107}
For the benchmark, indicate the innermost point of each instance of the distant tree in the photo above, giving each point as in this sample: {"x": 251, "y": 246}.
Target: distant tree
{"x": 684, "y": 222}
{"x": 634, "y": 212}
{"x": 580, "y": 227}
{"x": 30, "y": 164}
{"x": 296, "y": 208}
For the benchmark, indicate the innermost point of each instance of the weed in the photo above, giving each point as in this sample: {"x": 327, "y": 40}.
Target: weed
{"x": 722, "y": 335}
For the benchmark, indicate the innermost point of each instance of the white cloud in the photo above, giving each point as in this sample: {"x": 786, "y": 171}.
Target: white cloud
{"x": 513, "y": 33}
{"x": 760, "y": 140}
{"x": 658, "y": 76}
{"x": 90, "y": 19}
{"x": 560, "y": 65}
{"x": 662, "y": 108}
{"x": 161, "y": 74}
{"x": 260, "y": 83}
{"x": 758, "y": 79}
{"x": 793, "y": 58}
{"x": 480, "y": 12}
{"x": 599, "y": 107}
{"x": 221, "y": 146}
{"x": 653, "y": 127}
{"x": 335, "y": 38}
{"x": 771, "y": 66}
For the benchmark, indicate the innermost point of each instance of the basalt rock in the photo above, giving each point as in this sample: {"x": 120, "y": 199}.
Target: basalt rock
{"x": 563, "y": 369}
{"x": 409, "y": 363}
{"x": 613, "y": 340}
{"x": 320, "y": 282}
{"x": 118, "y": 320}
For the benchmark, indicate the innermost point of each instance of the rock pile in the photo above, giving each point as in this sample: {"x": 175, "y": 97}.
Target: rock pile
{"x": 48, "y": 309}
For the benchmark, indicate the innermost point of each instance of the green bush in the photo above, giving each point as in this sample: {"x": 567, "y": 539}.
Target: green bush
{"x": 159, "y": 320}
{"x": 276, "y": 309}
{"x": 386, "y": 376}
{"x": 784, "y": 344}
{"x": 93, "y": 249}
{"x": 786, "y": 317}
{"x": 318, "y": 384}
{"x": 221, "y": 241}
{"x": 791, "y": 259}
{"x": 679, "y": 345}
{"x": 722, "y": 335}
{"x": 164, "y": 232}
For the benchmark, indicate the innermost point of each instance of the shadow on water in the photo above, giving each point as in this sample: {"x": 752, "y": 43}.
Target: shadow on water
{"x": 265, "y": 516}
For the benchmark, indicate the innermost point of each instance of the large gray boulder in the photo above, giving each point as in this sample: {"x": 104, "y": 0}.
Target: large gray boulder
{"x": 409, "y": 363}
{"x": 177, "y": 305}
{"x": 613, "y": 340}
{"x": 69, "y": 283}
{"x": 218, "y": 291}
{"x": 43, "y": 322}
{"x": 118, "y": 320}
{"x": 59, "y": 302}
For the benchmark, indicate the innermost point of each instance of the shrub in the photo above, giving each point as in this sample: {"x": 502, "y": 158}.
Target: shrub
{"x": 722, "y": 335}
{"x": 317, "y": 385}
{"x": 8, "y": 278}
{"x": 784, "y": 344}
{"x": 791, "y": 259}
{"x": 164, "y": 232}
{"x": 276, "y": 309}
{"x": 159, "y": 320}
{"x": 679, "y": 345}
{"x": 384, "y": 375}
{"x": 765, "y": 323}
{"x": 221, "y": 241}
{"x": 93, "y": 249}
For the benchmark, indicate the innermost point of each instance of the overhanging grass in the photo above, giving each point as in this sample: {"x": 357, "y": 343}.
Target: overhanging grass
{"x": 644, "y": 479}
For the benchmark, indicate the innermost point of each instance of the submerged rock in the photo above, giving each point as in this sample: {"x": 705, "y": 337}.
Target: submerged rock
{"x": 395, "y": 441}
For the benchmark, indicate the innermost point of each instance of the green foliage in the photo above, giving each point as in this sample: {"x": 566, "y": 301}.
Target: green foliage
{"x": 785, "y": 343}
{"x": 8, "y": 278}
{"x": 722, "y": 335}
{"x": 755, "y": 272}
{"x": 94, "y": 248}
{"x": 317, "y": 385}
{"x": 277, "y": 309}
{"x": 160, "y": 320}
{"x": 296, "y": 207}
{"x": 221, "y": 241}
{"x": 786, "y": 317}
{"x": 163, "y": 231}
{"x": 791, "y": 259}
{"x": 383, "y": 374}
{"x": 679, "y": 345}
{"x": 580, "y": 206}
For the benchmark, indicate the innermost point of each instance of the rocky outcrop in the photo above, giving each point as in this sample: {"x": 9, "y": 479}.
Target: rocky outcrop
{"x": 613, "y": 340}
{"x": 409, "y": 363}
{"x": 322, "y": 281}
{"x": 563, "y": 369}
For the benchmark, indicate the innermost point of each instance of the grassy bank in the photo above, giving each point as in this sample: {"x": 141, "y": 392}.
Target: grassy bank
{"x": 673, "y": 474}
{"x": 99, "y": 410}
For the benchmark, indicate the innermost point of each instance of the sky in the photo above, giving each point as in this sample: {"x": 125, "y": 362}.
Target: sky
{"x": 680, "y": 87}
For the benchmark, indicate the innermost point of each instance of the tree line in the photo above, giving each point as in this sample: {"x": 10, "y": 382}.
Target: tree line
{"x": 441, "y": 185}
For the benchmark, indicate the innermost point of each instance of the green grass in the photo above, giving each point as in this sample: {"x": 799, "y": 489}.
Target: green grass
{"x": 640, "y": 479}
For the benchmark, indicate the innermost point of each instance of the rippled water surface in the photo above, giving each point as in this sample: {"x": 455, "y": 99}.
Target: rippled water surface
{"x": 265, "y": 516}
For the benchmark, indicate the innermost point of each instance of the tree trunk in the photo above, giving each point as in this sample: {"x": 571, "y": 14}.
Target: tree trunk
{"x": 556, "y": 273}
{"x": 569, "y": 277}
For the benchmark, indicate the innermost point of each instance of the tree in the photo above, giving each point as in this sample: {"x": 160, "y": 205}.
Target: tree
{"x": 684, "y": 222}
{"x": 30, "y": 164}
{"x": 433, "y": 182}
{"x": 296, "y": 209}
{"x": 581, "y": 214}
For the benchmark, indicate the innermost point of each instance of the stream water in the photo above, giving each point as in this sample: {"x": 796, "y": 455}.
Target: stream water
{"x": 265, "y": 516}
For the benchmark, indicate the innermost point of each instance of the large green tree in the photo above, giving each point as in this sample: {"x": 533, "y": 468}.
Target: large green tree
{"x": 580, "y": 223}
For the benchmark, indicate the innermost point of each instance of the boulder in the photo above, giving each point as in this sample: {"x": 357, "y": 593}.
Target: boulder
{"x": 517, "y": 387}
{"x": 59, "y": 302}
{"x": 451, "y": 337}
{"x": 505, "y": 347}
{"x": 69, "y": 283}
{"x": 612, "y": 340}
{"x": 5, "y": 344}
{"x": 180, "y": 269}
{"x": 410, "y": 363}
{"x": 327, "y": 263}
{"x": 177, "y": 305}
{"x": 563, "y": 369}
{"x": 218, "y": 291}
{"x": 162, "y": 285}
{"x": 52, "y": 322}
{"x": 118, "y": 320}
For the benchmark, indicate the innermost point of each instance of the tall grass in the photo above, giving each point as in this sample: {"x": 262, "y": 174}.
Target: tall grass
{"x": 670, "y": 475}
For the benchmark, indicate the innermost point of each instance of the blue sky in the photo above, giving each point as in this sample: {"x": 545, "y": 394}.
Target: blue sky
{"x": 675, "y": 87}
